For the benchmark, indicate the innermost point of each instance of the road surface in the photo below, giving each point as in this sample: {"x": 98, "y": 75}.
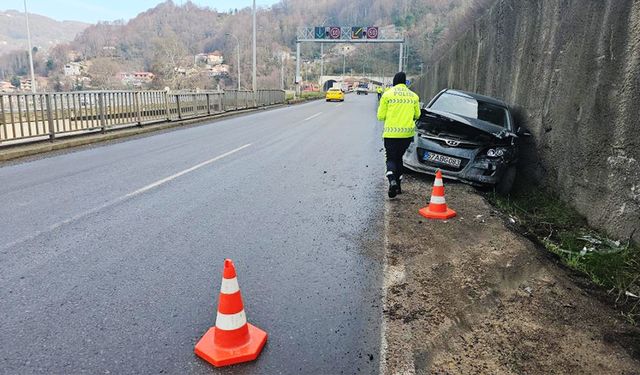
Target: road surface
{"x": 111, "y": 256}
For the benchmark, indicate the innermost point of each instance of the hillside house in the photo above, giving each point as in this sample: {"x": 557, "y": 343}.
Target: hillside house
{"x": 135, "y": 79}
{"x": 73, "y": 69}
{"x": 221, "y": 70}
{"x": 213, "y": 58}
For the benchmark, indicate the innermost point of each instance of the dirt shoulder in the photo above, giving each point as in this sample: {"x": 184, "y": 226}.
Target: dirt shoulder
{"x": 468, "y": 295}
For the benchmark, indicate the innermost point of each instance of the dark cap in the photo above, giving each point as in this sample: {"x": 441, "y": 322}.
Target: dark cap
{"x": 399, "y": 78}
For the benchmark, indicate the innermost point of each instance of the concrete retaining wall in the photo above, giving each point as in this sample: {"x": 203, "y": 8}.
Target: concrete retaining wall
{"x": 572, "y": 71}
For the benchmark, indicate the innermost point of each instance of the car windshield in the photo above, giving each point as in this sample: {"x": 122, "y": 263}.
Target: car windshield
{"x": 472, "y": 108}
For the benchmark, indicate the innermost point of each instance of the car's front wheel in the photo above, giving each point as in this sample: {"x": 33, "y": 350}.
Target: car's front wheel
{"x": 504, "y": 186}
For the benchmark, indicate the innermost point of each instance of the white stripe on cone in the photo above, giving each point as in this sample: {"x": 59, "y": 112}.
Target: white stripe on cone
{"x": 229, "y": 286}
{"x": 437, "y": 200}
{"x": 229, "y": 322}
{"x": 438, "y": 182}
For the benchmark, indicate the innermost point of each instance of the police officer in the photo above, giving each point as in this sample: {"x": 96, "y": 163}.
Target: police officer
{"x": 399, "y": 108}
{"x": 379, "y": 91}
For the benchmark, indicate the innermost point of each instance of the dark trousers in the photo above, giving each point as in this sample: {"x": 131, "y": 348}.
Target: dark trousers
{"x": 394, "y": 149}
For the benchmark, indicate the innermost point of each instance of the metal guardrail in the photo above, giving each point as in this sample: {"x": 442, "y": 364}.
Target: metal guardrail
{"x": 32, "y": 117}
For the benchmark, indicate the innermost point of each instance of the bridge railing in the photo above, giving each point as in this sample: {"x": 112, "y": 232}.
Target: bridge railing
{"x": 33, "y": 117}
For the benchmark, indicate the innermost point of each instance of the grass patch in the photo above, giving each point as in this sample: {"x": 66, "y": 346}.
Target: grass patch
{"x": 306, "y": 95}
{"x": 614, "y": 265}
{"x": 312, "y": 94}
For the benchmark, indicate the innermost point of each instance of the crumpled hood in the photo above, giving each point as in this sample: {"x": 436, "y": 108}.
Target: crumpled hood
{"x": 487, "y": 127}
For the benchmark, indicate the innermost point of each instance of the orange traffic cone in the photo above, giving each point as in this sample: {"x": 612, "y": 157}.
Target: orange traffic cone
{"x": 232, "y": 340}
{"x": 437, "y": 208}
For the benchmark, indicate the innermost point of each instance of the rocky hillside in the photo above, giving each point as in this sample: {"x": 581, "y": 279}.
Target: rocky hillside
{"x": 45, "y": 32}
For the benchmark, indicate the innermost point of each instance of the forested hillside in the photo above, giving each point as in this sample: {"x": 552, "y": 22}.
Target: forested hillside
{"x": 164, "y": 39}
{"x": 45, "y": 32}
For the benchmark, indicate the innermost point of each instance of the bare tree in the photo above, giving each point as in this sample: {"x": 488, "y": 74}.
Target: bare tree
{"x": 103, "y": 73}
{"x": 170, "y": 61}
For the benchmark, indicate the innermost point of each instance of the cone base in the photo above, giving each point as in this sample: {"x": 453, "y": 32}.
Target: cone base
{"x": 437, "y": 215}
{"x": 219, "y": 356}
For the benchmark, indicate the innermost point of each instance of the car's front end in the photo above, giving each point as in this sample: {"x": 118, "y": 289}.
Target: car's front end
{"x": 468, "y": 149}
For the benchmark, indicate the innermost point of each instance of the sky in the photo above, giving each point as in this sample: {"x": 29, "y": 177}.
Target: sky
{"x": 92, "y": 11}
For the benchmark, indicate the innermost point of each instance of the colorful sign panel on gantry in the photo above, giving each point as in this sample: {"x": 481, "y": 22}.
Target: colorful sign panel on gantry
{"x": 354, "y": 32}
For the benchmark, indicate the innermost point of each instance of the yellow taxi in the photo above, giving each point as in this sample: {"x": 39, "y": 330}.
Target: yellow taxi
{"x": 335, "y": 94}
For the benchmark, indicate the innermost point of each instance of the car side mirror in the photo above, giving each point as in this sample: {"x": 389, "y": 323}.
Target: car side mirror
{"x": 523, "y": 132}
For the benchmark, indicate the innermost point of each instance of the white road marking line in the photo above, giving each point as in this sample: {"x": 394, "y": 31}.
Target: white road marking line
{"x": 385, "y": 271}
{"x": 119, "y": 199}
{"x": 188, "y": 170}
{"x": 311, "y": 117}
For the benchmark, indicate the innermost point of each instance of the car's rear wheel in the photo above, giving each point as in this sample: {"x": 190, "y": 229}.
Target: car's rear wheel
{"x": 504, "y": 186}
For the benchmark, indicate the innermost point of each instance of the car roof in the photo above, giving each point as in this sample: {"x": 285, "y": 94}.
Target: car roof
{"x": 482, "y": 98}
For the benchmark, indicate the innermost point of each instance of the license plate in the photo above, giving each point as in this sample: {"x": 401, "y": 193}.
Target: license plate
{"x": 441, "y": 159}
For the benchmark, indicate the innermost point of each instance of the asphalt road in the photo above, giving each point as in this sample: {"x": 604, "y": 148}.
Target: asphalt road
{"x": 111, "y": 257}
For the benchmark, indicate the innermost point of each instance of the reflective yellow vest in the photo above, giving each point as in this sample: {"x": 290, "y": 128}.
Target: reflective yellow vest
{"x": 379, "y": 90}
{"x": 399, "y": 108}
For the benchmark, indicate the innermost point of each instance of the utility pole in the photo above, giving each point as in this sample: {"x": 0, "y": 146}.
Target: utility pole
{"x": 33, "y": 76}
{"x": 238, "y": 50}
{"x": 255, "y": 87}
{"x": 321, "y": 61}
{"x": 298, "y": 79}
{"x": 344, "y": 62}
{"x": 406, "y": 56}
{"x": 400, "y": 57}
{"x": 282, "y": 70}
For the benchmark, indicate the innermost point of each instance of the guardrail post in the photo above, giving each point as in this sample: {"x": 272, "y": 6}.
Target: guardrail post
{"x": 166, "y": 105}
{"x": 102, "y": 112}
{"x": 208, "y": 104}
{"x": 52, "y": 129}
{"x": 178, "y": 105}
{"x": 136, "y": 103}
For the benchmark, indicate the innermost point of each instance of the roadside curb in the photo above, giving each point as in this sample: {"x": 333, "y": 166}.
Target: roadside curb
{"x": 392, "y": 275}
{"x": 300, "y": 101}
{"x": 41, "y": 147}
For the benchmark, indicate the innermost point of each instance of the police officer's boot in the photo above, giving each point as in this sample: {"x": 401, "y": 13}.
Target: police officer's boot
{"x": 393, "y": 184}
{"x": 393, "y": 188}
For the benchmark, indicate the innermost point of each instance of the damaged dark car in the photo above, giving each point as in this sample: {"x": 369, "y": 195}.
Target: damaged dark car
{"x": 469, "y": 137}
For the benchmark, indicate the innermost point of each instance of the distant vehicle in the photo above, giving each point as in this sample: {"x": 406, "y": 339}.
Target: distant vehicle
{"x": 469, "y": 137}
{"x": 362, "y": 88}
{"x": 334, "y": 93}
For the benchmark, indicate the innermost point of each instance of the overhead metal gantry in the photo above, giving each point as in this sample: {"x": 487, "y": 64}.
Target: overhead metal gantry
{"x": 344, "y": 35}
